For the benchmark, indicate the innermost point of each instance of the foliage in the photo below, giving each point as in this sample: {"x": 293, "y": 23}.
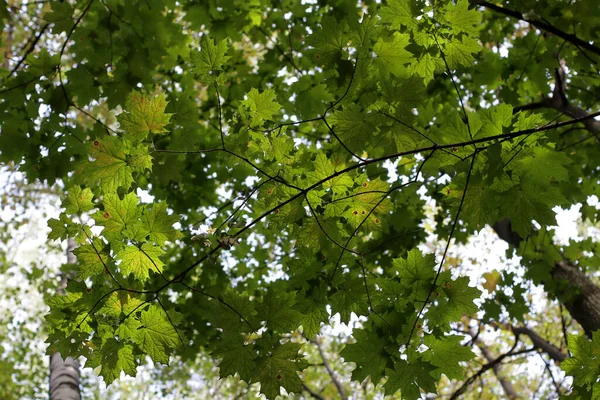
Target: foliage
{"x": 234, "y": 178}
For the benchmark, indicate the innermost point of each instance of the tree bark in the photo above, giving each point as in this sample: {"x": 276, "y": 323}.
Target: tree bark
{"x": 584, "y": 304}
{"x": 581, "y": 296}
{"x": 64, "y": 374}
{"x": 540, "y": 343}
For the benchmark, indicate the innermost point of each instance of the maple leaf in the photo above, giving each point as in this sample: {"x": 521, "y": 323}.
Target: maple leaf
{"x": 368, "y": 201}
{"x": 454, "y": 299}
{"x": 545, "y": 165}
{"x": 416, "y": 272}
{"x": 425, "y": 67}
{"x": 144, "y": 115}
{"x": 461, "y": 18}
{"x": 93, "y": 258}
{"x": 350, "y": 298}
{"x": 259, "y": 107}
{"x": 120, "y": 304}
{"x": 324, "y": 168}
{"x": 584, "y": 364}
{"x": 459, "y": 52}
{"x": 277, "y": 310}
{"x": 280, "y": 369}
{"x": 59, "y": 228}
{"x": 159, "y": 224}
{"x": 531, "y": 200}
{"x": 119, "y": 216}
{"x": 109, "y": 166}
{"x": 494, "y": 119}
{"x": 224, "y": 317}
{"x": 447, "y": 353}
{"x": 236, "y": 357}
{"x": 351, "y": 124}
{"x": 369, "y": 355}
{"x": 398, "y": 13}
{"x": 210, "y": 58}
{"x": 78, "y": 200}
{"x": 140, "y": 260}
{"x": 410, "y": 378}
{"x": 139, "y": 158}
{"x": 392, "y": 55}
{"x": 156, "y": 336}
{"x": 329, "y": 40}
{"x": 116, "y": 357}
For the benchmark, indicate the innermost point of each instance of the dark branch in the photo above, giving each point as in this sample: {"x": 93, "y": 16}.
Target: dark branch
{"x": 571, "y": 38}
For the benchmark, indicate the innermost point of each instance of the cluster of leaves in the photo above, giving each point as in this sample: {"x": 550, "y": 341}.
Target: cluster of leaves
{"x": 310, "y": 129}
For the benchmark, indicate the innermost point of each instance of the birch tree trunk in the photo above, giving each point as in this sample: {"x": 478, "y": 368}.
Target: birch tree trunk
{"x": 64, "y": 374}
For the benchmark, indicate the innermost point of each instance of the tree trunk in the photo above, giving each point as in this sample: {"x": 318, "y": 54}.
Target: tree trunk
{"x": 64, "y": 378}
{"x": 64, "y": 374}
{"x": 581, "y": 296}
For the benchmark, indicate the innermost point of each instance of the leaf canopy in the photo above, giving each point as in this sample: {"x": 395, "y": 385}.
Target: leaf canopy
{"x": 234, "y": 178}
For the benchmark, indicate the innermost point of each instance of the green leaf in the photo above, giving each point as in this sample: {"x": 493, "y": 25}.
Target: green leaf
{"x": 236, "y": 357}
{"x": 156, "y": 336}
{"x": 120, "y": 304}
{"x": 416, "y": 271}
{"x": 424, "y": 67}
{"x": 110, "y": 166}
{"x": 409, "y": 378}
{"x": 117, "y": 357}
{"x": 461, "y": 19}
{"x": 584, "y": 364}
{"x": 42, "y": 63}
{"x": 59, "y": 228}
{"x": 93, "y": 258}
{"x": 545, "y": 165}
{"x": 531, "y": 200}
{"x": 119, "y": 216}
{"x": 459, "y": 52}
{"x": 455, "y": 298}
{"x": 139, "y": 261}
{"x": 144, "y": 115}
{"x": 398, "y": 13}
{"x": 324, "y": 168}
{"x": 392, "y": 55}
{"x": 210, "y": 58}
{"x": 350, "y": 298}
{"x": 369, "y": 201}
{"x": 369, "y": 355}
{"x": 329, "y": 41}
{"x": 78, "y": 200}
{"x": 447, "y": 353}
{"x": 259, "y": 107}
{"x": 352, "y": 125}
{"x": 280, "y": 369}
{"x": 277, "y": 310}
{"x": 140, "y": 159}
{"x": 494, "y": 120}
{"x": 159, "y": 224}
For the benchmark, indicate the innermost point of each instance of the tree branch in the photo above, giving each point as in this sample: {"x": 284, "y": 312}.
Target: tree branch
{"x": 312, "y": 392}
{"x": 332, "y": 374}
{"x": 540, "y": 343}
{"x": 571, "y": 38}
{"x": 494, "y": 364}
{"x": 509, "y": 389}
{"x": 28, "y": 51}
{"x": 559, "y": 102}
